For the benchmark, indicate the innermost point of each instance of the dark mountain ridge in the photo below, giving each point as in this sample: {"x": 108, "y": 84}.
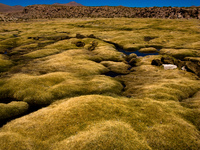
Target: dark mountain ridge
{"x": 73, "y": 3}
{"x": 6, "y": 8}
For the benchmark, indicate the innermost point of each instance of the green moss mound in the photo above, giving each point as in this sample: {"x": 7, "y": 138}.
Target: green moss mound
{"x": 41, "y": 53}
{"x": 12, "y": 109}
{"x": 63, "y": 67}
{"x": 94, "y": 121}
{"x": 45, "y": 89}
{"x": 117, "y": 67}
{"x": 148, "y": 50}
{"x": 105, "y": 135}
{"x": 180, "y": 53}
{"x": 5, "y": 63}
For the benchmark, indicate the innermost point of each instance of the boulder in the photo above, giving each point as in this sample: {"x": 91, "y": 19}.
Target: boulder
{"x": 156, "y": 62}
{"x": 193, "y": 67}
{"x": 80, "y": 44}
{"x": 180, "y": 64}
{"x": 91, "y": 36}
{"x": 79, "y": 36}
{"x": 169, "y": 66}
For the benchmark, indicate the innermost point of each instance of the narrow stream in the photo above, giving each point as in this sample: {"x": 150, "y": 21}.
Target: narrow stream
{"x": 136, "y": 52}
{"x": 110, "y": 73}
{"x": 130, "y": 52}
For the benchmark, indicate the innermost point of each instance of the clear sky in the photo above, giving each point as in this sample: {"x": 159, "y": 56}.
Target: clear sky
{"x": 129, "y": 3}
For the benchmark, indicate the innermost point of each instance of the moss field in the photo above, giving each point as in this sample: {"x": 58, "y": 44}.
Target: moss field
{"x": 65, "y": 85}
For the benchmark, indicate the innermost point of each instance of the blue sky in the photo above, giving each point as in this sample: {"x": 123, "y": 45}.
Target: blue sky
{"x": 129, "y": 3}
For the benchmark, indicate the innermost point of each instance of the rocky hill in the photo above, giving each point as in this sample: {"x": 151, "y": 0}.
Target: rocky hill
{"x": 61, "y": 11}
{"x": 45, "y": 11}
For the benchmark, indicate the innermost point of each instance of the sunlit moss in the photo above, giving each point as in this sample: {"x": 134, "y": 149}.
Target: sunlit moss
{"x": 95, "y": 121}
{"x": 51, "y": 69}
{"x": 179, "y": 53}
{"x": 5, "y": 63}
{"x": 41, "y": 53}
{"x": 45, "y": 89}
{"x": 117, "y": 67}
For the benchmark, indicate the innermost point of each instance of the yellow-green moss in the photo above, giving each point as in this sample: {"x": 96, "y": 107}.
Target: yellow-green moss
{"x": 5, "y": 63}
{"x": 73, "y": 61}
{"x": 179, "y": 53}
{"x": 161, "y": 112}
{"x": 47, "y": 88}
{"x": 12, "y": 109}
{"x": 105, "y": 135}
{"x": 148, "y": 50}
{"x": 117, "y": 67}
{"x": 107, "y": 53}
{"x": 94, "y": 121}
{"x": 41, "y": 53}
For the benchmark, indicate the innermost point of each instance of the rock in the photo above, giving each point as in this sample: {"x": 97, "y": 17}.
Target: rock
{"x": 80, "y": 44}
{"x": 193, "y": 67}
{"x": 156, "y": 62}
{"x": 93, "y": 45}
{"x": 79, "y": 36}
{"x": 91, "y": 36}
{"x": 55, "y": 11}
{"x": 183, "y": 68}
{"x": 179, "y": 63}
{"x": 169, "y": 66}
{"x": 167, "y": 60}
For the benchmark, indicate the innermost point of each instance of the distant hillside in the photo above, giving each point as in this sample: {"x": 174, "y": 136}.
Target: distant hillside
{"x": 73, "y": 3}
{"x": 6, "y": 8}
{"x": 52, "y": 11}
{"x": 60, "y": 11}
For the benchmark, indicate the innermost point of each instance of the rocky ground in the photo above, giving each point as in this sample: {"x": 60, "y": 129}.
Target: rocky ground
{"x": 100, "y": 84}
{"x": 58, "y": 11}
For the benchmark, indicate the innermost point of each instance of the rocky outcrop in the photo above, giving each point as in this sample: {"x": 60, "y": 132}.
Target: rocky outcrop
{"x": 190, "y": 64}
{"x": 60, "y": 11}
{"x": 193, "y": 67}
